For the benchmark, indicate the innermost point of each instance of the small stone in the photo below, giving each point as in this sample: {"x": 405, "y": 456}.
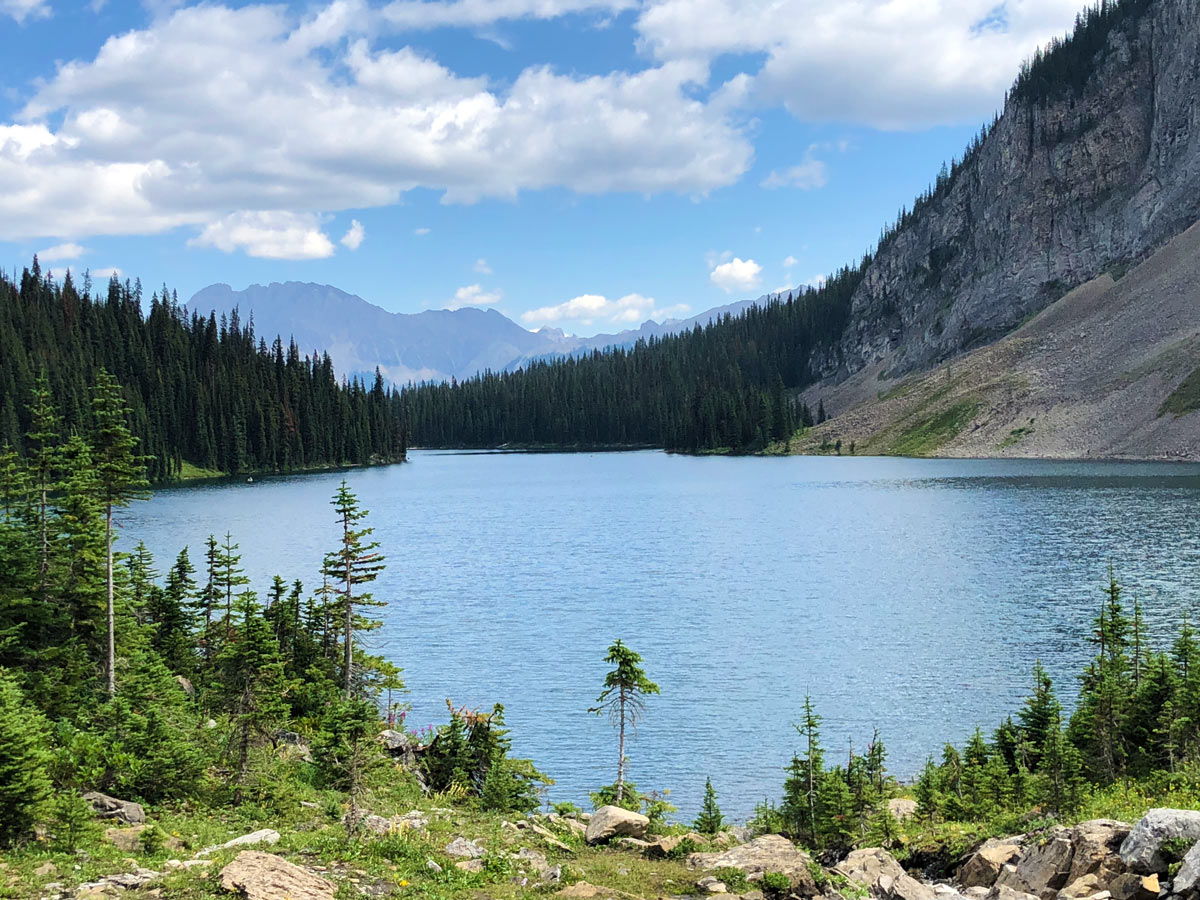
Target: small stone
{"x": 46, "y": 868}
{"x": 432, "y": 866}
{"x": 460, "y": 846}
{"x": 470, "y": 865}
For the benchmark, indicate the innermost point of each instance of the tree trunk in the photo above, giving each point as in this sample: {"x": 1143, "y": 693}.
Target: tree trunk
{"x": 112, "y": 625}
{"x": 349, "y": 619}
{"x": 621, "y": 753}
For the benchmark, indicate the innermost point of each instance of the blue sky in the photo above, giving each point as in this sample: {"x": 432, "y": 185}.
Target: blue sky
{"x": 586, "y": 164}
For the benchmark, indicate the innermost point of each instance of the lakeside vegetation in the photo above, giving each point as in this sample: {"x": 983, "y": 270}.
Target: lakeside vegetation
{"x": 228, "y": 712}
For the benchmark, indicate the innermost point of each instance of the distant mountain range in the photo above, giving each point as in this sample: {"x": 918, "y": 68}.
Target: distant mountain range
{"x": 435, "y": 345}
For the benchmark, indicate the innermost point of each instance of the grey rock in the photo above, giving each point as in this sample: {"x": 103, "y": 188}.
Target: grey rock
{"x": 254, "y": 875}
{"x": 1058, "y": 193}
{"x": 432, "y": 866}
{"x": 107, "y": 807}
{"x": 878, "y": 871}
{"x": 610, "y": 822}
{"x": 262, "y": 836}
{"x": 1187, "y": 879}
{"x": 769, "y": 853}
{"x": 462, "y": 847}
{"x": 983, "y": 867}
{"x": 1140, "y": 851}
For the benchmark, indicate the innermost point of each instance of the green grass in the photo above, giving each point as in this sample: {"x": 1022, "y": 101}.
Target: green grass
{"x": 1185, "y": 398}
{"x": 1016, "y": 436}
{"x": 313, "y": 836}
{"x": 189, "y": 472}
{"x": 927, "y": 435}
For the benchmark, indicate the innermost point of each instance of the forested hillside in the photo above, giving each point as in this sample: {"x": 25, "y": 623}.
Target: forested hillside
{"x": 722, "y": 386}
{"x": 201, "y": 391}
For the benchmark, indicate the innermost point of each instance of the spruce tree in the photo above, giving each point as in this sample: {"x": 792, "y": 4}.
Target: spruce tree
{"x": 1039, "y": 715}
{"x": 252, "y": 685}
{"x": 709, "y": 820}
{"x": 801, "y": 796}
{"x": 120, "y": 477}
{"x": 356, "y": 562}
{"x": 228, "y": 574}
{"x": 24, "y": 785}
{"x": 623, "y": 698}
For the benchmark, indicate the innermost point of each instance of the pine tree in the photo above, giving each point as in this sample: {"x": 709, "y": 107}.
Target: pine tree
{"x": 623, "y": 698}
{"x": 252, "y": 683}
{"x": 173, "y": 616}
{"x": 228, "y": 574}
{"x": 24, "y": 785}
{"x": 121, "y": 477}
{"x": 927, "y": 792}
{"x": 356, "y": 562}
{"x": 710, "y": 819}
{"x": 1039, "y": 715}
{"x": 801, "y": 796}
{"x": 346, "y": 748}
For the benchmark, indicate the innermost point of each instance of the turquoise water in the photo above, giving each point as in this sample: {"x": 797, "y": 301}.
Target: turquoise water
{"x": 909, "y": 595}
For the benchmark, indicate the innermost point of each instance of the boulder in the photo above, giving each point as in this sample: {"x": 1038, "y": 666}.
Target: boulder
{"x": 632, "y": 843}
{"x": 983, "y": 867}
{"x": 1004, "y": 892}
{"x": 1097, "y": 850}
{"x": 901, "y": 808}
{"x": 1140, "y": 851}
{"x": 262, "y": 836}
{"x": 469, "y": 865}
{"x": 1082, "y": 887}
{"x": 1187, "y": 879}
{"x": 1042, "y": 869}
{"x": 1050, "y": 862}
{"x": 1131, "y": 886}
{"x": 461, "y": 847}
{"x": 533, "y": 860}
{"x": 263, "y": 876}
{"x": 395, "y": 741}
{"x": 884, "y": 879}
{"x": 610, "y": 822}
{"x": 107, "y": 807}
{"x": 769, "y": 853}
{"x": 127, "y": 839}
{"x": 665, "y": 846}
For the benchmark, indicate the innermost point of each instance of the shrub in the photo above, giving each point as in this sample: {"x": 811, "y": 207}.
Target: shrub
{"x": 775, "y": 884}
{"x": 734, "y": 879}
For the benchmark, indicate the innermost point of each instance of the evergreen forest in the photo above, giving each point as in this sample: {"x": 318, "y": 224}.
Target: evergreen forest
{"x": 205, "y": 395}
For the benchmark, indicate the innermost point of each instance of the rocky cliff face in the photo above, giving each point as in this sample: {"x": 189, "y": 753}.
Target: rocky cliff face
{"x": 1060, "y": 191}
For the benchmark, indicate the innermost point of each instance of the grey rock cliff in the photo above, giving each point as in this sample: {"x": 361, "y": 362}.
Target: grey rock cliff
{"x": 1058, "y": 192}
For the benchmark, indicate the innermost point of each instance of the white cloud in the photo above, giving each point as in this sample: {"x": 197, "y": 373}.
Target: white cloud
{"x": 894, "y": 64}
{"x": 807, "y": 175}
{"x": 423, "y": 14}
{"x": 354, "y": 237}
{"x": 736, "y": 275}
{"x": 60, "y": 252}
{"x": 421, "y": 232}
{"x": 25, "y": 9}
{"x": 481, "y": 266}
{"x": 267, "y": 235}
{"x": 474, "y": 295}
{"x": 790, "y": 262}
{"x": 252, "y": 109}
{"x": 105, "y": 274}
{"x": 592, "y": 309}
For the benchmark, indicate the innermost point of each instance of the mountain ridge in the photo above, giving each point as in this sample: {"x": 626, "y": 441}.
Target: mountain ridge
{"x": 431, "y": 345}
